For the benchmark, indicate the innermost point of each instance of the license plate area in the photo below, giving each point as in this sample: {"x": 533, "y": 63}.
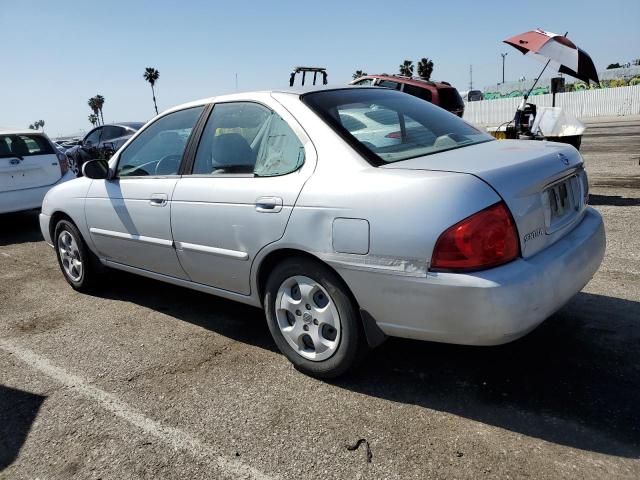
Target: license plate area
{"x": 563, "y": 201}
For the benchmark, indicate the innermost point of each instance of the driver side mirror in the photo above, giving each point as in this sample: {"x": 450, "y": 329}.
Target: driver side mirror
{"x": 96, "y": 170}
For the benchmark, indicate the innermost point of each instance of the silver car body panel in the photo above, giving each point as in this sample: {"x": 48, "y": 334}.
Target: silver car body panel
{"x": 519, "y": 171}
{"x": 376, "y": 227}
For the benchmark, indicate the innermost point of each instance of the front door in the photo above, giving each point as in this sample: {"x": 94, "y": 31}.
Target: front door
{"x": 247, "y": 173}
{"x": 129, "y": 216}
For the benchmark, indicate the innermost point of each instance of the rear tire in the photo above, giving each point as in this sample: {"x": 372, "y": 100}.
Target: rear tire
{"x": 80, "y": 267}
{"x": 313, "y": 319}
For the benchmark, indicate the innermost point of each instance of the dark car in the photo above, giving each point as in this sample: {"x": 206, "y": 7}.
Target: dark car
{"x": 101, "y": 143}
{"x": 439, "y": 93}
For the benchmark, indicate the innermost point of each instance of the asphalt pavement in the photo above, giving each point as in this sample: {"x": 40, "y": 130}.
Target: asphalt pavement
{"x": 148, "y": 380}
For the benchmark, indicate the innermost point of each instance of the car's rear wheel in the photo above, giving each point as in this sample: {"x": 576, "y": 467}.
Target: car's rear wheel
{"x": 78, "y": 264}
{"x": 312, "y": 318}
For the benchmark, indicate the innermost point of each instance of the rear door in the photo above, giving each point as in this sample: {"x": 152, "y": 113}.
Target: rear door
{"x": 27, "y": 161}
{"x": 249, "y": 168}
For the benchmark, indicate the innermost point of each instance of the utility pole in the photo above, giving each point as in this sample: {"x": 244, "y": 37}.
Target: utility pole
{"x": 504, "y": 55}
{"x": 470, "y": 77}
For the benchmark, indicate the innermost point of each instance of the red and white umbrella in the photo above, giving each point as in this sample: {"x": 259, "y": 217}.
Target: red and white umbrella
{"x": 557, "y": 51}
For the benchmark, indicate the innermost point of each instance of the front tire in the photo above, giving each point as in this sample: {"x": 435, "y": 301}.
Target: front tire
{"x": 77, "y": 263}
{"x": 312, "y": 318}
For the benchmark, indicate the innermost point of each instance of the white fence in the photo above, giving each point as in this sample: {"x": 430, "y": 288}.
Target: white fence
{"x": 588, "y": 103}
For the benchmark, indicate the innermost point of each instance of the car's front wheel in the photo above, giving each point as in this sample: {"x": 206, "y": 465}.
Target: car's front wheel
{"x": 79, "y": 266}
{"x": 312, "y": 318}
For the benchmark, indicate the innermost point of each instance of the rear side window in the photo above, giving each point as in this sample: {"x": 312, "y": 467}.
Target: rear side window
{"x": 388, "y": 84}
{"x": 423, "y": 93}
{"x": 450, "y": 99}
{"x": 24, "y": 145}
{"x": 247, "y": 138}
{"x": 110, "y": 132}
{"x": 366, "y": 81}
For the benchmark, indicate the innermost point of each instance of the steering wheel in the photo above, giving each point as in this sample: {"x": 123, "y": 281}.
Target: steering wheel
{"x": 168, "y": 165}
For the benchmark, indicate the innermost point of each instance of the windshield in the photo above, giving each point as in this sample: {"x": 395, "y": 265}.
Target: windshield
{"x": 389, "y": 126}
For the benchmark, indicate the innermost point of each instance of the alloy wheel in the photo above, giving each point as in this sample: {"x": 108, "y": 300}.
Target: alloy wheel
{"x": 70, "y": 256}
{"x": 308, "y": 318}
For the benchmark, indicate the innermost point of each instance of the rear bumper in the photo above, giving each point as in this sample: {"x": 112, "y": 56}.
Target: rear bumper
{"x": 28, "y": 198}
{"x": 483, "y": 308}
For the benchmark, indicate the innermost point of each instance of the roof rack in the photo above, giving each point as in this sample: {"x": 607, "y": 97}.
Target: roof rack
{"x": 304, "y": 71}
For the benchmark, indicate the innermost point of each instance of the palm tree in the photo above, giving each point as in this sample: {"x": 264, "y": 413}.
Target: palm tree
{"x": 358, "y": 74}
{"x": 93, "y": 105}
{"x": 100, "y": 104}
{"x": 406, "y": 68}
{"x": 93, "y": 119}
{"x": 32, "y": 127}
{"x": 40, "y": 124}
{"x": 151, "y": 75}
{"x": 425, "y": 68}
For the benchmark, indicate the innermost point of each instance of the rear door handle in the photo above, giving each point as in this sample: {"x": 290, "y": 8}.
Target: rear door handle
{"x": 269, "y": 204}
{"x": 158, "y": 200}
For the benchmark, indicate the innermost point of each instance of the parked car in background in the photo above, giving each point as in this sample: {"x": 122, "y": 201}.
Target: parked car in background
{"x": 29, "y": 166}
{"x": 100, "y": 142}
{"x": 280, "y": 200}
{"x": 472, "y": 95}
{"x": 439, "y": 93}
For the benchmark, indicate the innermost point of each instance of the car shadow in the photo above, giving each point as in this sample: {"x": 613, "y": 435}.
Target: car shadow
{"x": 18, "y": 411}
{"x": 614, "y": 200}
{"x": 574, "y": 381}
{"x": 19, "y": 227}
{"x": 231, "y": 319}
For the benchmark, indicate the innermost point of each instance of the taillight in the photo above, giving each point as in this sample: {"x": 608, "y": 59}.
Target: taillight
{"x": 63, "y": 161}
{"x": 483, "y": 240}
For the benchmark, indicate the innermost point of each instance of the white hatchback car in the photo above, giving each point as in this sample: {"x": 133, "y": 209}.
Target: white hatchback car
{"x": 349, "y": 214}
{"x": 29, "y": 166}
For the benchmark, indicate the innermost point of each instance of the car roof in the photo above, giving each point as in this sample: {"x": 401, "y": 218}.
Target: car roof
{"x": 25, "y": 131}
{"x": 418, "y": 82}
{"x": 295, "y": 90}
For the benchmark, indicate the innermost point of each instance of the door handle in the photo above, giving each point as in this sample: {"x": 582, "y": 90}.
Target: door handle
{"x": 158, "y": 200}
{"x": 269, "y": 204}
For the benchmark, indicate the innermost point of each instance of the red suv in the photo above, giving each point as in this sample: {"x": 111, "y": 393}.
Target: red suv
{"x": 438, "y": 93}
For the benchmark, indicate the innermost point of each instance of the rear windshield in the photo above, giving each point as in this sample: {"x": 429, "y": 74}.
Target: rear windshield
{"x": 24, "y": 145}
{"x": 396, "y": 126}
{"x": 450, "y": 99}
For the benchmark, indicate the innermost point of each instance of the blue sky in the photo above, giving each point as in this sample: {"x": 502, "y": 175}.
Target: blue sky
{"x": 55, "y": 55}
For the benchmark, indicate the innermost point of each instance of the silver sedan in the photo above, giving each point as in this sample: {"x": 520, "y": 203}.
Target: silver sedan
{"x": 348, "y": 214}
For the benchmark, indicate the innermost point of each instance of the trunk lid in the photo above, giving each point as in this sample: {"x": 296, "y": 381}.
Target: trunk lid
{"x": 543, "y": 183}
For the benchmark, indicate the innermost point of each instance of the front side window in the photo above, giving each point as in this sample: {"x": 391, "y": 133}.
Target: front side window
{"x": 93, "y": 138}
{"x": 158, "y": 149}
{"x": 247, "y": 138}
{"x": 398, "y": 126}
{"x": 23, "y": 145}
